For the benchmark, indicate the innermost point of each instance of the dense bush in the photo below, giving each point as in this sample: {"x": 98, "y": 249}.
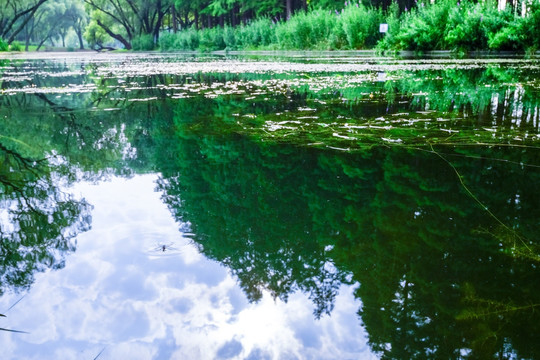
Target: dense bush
{"x": 465, "y": 28}
{"x": 167, "y": 41}
{"x": 143, "y": 42}
{"x": 211, "y": 39}
{"x": 518, "y": 33}
{"x": 295, "y": 33}
{"x": 3, "y": 45}
{"x": 392, "y": 18}
{"x": 461, "y": 26}
{"x": 15, "y": 46}
{"x": 354, "y": 27}
{"x": 361, "y": 26}
{"x": 444, "y": 25}
{"x": 259, "y": 33}
{"x": 187, "y": 40}
{"x": 424, "y": 28}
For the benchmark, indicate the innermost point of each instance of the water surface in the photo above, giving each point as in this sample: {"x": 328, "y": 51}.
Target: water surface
{"x": 178, "y": 206}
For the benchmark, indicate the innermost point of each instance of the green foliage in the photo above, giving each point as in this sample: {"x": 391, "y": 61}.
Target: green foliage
{"x": 465, "y": 27}
{"x": 187, "y": 40}
{"x": 166, "y": 41}
{"x": 15, "y": 46}
{"x": 326, "y": 4}
{"x": 532, "y": 24}
{"x": 325, "y": 30}
{"x": 229, "y": 38}
{"x": 95, "y": 35}
{"x": 471, "y": 25}
{"x": 393, "y": 20}
{"x": 143, "y": 42}
{"x": 130, "y": 20}
{"x": 423, "y": 28}
{"x": 211, "y": 39}
{"x": 361, "y": 26}
{"x": 356, "y": 27}
{"x": 258, "y": 33}
{"x": 295, "y": 33}
{"x": 465, "y": 24}
{"x": 443, "y": 25}
{"x": 518, "y": 33}
{"x": 509, "y": 37}
{"x": 3, "y": 45}
{"x": 457, "y": 25}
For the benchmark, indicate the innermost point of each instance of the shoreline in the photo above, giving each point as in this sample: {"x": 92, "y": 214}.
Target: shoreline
{"x": 433, "y": 54}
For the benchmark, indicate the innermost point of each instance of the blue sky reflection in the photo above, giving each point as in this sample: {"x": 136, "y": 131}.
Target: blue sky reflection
{"x": 121, "y": 293}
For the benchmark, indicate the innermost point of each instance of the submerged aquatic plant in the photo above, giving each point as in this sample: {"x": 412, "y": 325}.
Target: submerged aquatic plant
{"x": 11, "y": 330}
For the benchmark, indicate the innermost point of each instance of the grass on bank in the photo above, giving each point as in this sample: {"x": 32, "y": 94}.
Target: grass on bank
{"x": 14, "y": 46}
{"x": 445, "y": 25}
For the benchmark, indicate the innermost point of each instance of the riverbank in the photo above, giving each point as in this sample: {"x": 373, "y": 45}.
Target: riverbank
{"x": 367, "y": 54}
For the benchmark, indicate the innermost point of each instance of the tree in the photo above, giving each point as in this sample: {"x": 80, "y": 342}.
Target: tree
{"x": 42, "y": 220}
{"x": 76, "y": 18}
{"x": 15, "y": 14}
{"x": 124, "y": 20}
{"x": 50, "y": 22}
{"x": 54, "y": 21}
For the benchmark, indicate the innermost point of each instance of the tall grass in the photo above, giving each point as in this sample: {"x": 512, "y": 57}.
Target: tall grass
{"x": 3, "y": 45}
{"x": 15, "y": 46}
{"x": 143, "y": 42}
{"x": 458, "y": 25}
{"x": 463, "y": 25}
{"x": 354, "y": 27}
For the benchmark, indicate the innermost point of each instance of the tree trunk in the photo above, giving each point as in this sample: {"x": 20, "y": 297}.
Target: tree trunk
{"x": 41, "y": 43}
{"x": 288, "y": 9}
{"x": 79, "y": 35}
{"x": 233, "y": 16}
{"x": 118, "y": 37}
{"x": 173, "y": 17}
{"x": 159, "y": 22}
{"x": 26, "y": 39}
{"x": 29, "y": 13}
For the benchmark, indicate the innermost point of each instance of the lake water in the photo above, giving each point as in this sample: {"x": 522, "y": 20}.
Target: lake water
{"x": 166, "y": 206}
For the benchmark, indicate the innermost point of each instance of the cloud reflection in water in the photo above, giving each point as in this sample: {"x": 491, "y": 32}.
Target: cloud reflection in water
{"x": 116, "y": 294}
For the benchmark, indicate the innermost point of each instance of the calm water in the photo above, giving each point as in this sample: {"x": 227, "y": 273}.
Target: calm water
{"x": 324, "y": 207}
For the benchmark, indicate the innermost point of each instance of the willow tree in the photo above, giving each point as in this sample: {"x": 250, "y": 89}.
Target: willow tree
{"x": 14, "y": 15}
{"x": 124, "y": 20}
{"x": 53, "y": 21}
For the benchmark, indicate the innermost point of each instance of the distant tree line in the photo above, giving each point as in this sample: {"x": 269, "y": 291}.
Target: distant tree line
{"x": 138, "y": 24}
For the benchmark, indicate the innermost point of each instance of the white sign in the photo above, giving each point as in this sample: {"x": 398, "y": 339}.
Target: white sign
{"x": 383, "y": 28}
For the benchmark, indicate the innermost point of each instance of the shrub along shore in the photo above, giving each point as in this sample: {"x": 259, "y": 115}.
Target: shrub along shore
{"x": 443, "y": 25}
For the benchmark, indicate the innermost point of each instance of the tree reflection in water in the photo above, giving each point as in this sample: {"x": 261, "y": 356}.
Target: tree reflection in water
{"x": 401, "y": 214}
{"x": 38, "y": 221}
{"x": 434, "y": 273}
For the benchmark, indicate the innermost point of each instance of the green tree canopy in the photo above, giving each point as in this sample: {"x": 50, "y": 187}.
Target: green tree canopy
{"x": 14, "y": 15}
